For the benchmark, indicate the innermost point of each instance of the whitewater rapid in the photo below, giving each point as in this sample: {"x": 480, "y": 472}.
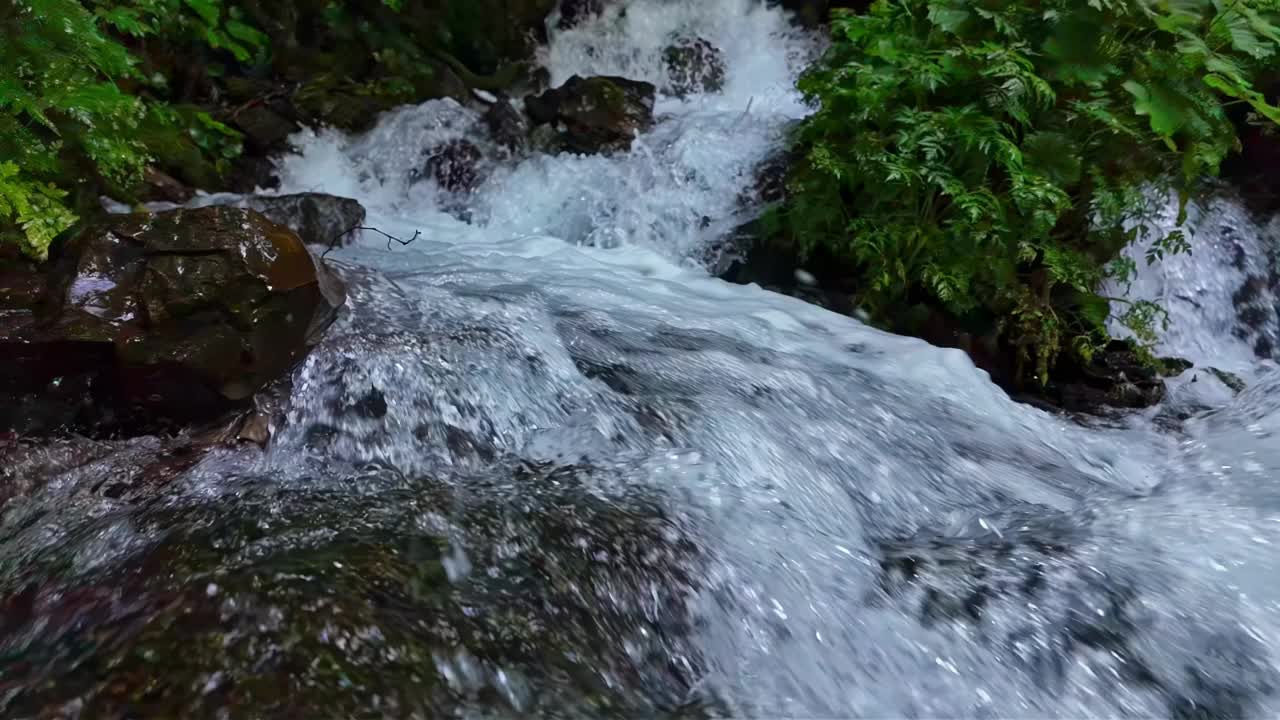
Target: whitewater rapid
{"x": 713, "y": 496}
{"x": 803, "y": 442}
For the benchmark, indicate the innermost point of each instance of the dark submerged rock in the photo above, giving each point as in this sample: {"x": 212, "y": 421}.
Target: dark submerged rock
{"x": 769, "y": 179}
{"x": 693, "y": 66}
{"x": 251, "y": 173}
{"x": 265, "y": 129}
{"x": 1116, "y": 377}
{"x": 1230, "y": 379}
{"x": 750, "y": 255}
{"x": 1000, "y": 582}
{"x": 997, "y": 582}
{"x": 506, "y": 124}
{"x": 176, "y": 316}
{"x": 597, "y": 114}
{"x": 455, "y": 166}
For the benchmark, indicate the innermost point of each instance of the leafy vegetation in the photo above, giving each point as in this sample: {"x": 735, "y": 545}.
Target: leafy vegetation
{"x": 95, "y": 92}
{"x": 991, "y": 157}
{"x": 73, "y": 103}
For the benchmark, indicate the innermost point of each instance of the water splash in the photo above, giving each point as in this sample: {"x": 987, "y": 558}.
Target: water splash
{"x": 1224, "y": 310}
{"x": 669, "y": 495}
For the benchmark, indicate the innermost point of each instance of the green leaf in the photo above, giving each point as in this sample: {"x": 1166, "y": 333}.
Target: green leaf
{"x": 1241, "y": 31}
{"x": 246, "y": 33}
{"x": 35, "y": 207}
{"x": 1094, "y": 309}
{"x": 1255, "y": 99}
{"x": 208, "y": 10}
{"x": 127, "y": 20}
{"x": 1166, "y": 118}
{"x": 948, "y": 19}
{"x": 1053, "y": 155}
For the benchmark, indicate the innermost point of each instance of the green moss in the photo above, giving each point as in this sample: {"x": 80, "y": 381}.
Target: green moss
{"x": 173, "y": 136}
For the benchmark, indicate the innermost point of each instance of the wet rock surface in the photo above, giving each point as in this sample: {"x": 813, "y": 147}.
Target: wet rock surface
{"x": 1117, "y": 377}
{"x": 455, "y": 166}
{"x": 1258, "y": 311}
{"x": 507, "y": 125}
{"x": 366, "y": 602}
{"x": 266, "y": 126}
{"x": 164, "y": 187}
{"x": 175, "y": 316}
{"x": 317, "y": 218}
{"x": 1020, "y": 586}
{"x": 693, "y": 66}
{"x": 599, "y": 114}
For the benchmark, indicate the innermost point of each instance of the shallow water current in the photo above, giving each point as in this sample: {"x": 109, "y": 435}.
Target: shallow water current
{"x": 544, "y": 464}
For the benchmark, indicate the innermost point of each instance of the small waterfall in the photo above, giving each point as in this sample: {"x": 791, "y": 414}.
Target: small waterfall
{"x": 1222, "y": 297}
{"x": 545, "y": 465}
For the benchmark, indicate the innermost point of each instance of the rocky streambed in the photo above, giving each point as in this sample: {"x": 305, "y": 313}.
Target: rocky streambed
{"x": 536, "y": 459}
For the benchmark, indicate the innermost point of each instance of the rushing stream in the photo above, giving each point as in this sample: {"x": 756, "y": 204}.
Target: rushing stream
{"x": 545, "y": 465}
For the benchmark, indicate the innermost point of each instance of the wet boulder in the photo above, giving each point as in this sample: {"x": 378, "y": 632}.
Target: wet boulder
{"x": 172, "y": 317}
{"x": 597, "y": 114}
{"x": 454, "y": 165}
{"x": 693, "y": 66}
{"x": 317, "y": 218}
{"x": 266, "y": 128}
{"x": 1118, "y": 376}
{"x": 29, "y": 403}
{"x": 506, "y": 124}
{"x": 769, "y": 179}
{"x": 160, "y": 186}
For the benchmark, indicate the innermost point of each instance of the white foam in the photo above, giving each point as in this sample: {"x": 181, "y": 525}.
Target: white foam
{"x": 567, "y": 318}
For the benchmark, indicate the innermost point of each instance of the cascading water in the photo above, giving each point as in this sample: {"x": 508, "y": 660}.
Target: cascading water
{"x": 546, "y": 465}
{"x": 1221, "y": 297}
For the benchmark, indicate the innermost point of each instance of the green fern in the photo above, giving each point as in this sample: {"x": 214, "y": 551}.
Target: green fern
{"x": 993, "y": 155}
{"x": 69, "y": 102}
{"x": 35, "y": 207}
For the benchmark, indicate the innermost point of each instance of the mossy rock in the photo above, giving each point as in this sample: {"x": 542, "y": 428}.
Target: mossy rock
{"x": 599, "y": 114}
{"x": 325, "y": 601}
{"x": 176, "y": 152}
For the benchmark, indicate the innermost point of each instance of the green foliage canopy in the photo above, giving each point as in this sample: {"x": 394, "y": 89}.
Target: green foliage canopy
{"x": 94, "y": 92}
{"x": 72, "y": 101}
{"x": 993, "y": 156}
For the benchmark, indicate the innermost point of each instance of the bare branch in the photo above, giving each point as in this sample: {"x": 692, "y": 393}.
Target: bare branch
{"x": 334, "y": 242}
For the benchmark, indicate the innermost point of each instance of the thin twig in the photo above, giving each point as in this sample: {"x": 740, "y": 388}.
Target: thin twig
{"x": 259, "y": 100}
{"x": 334, "y": 242}
{"x": 746, "y": 112}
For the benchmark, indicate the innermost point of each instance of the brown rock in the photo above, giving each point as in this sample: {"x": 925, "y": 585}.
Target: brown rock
{"x": 506, "y": 124}
{"x": 597, "y": 114}
{"x": 319, "y": 219}
{"x": 176, "y": 316}
{"x": 162, "y": 186}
